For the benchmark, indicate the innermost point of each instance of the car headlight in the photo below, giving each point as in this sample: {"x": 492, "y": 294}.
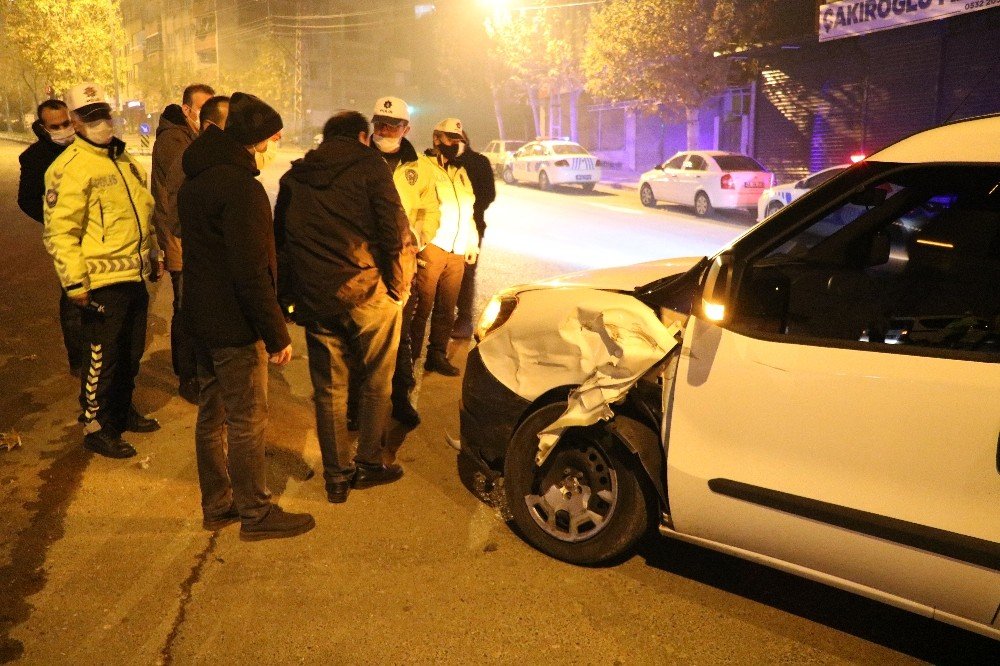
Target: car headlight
{"x": 495, "y": 314}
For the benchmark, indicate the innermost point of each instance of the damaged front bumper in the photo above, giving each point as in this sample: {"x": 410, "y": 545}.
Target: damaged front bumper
{"x": 489, "y": 414}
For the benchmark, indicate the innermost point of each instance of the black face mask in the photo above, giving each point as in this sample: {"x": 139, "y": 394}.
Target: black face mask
{"x": 450, "y": 152}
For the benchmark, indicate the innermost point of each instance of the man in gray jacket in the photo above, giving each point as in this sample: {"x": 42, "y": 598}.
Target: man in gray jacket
{"x": 179, "y": 125}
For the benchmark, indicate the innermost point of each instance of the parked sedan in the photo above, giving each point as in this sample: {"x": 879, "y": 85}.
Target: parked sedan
{"x": 551, "y": 163}
{"x": 499, "y": 153}
{"x": 774, "y": 199}
{"x": 706, "y": 179}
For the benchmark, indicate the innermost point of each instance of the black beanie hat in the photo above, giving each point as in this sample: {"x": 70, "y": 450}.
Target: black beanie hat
{"x": 251, "y": 120}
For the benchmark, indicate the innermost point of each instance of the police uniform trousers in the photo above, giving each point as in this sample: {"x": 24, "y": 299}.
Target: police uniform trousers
{"x": 114, "y": 341}
{"x": 439, "y": 279}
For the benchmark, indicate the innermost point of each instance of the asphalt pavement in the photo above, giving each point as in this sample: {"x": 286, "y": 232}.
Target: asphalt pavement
{"x": 105, "y": 561}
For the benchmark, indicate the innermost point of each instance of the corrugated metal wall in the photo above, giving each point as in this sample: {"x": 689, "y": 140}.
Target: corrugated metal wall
{"x": 821, "y": 103}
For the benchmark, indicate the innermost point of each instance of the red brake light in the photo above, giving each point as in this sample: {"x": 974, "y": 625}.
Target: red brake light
{"x": 727, "y": 182}
{"x": 562, "y": 163}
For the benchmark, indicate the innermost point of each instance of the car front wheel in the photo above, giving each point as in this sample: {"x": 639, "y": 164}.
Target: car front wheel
{"x": 589, "y": 502}
{"x": 508, "y": 175}
{"x": 646, "y": 196}
{"x": 702, "y": 205}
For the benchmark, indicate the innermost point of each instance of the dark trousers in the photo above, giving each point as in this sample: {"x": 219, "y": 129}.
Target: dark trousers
{"x": 368, "y": 335}
{"x": 71, "y": 322}
{"x": 467, "y": 294}
{"x": 439, "y": 279}
{"x": 182, "y": 352}
{"x": 115, "y": 340}
{"x": 229, "y": 434}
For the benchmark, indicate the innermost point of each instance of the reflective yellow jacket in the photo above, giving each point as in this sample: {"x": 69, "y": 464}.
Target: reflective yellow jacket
{"x": 414, "y": 180}
{"x": 457, "y": 231}
{"x": 97, "y": 217}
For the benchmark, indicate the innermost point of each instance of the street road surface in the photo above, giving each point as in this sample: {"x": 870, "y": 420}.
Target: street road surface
{"x": 105, "y": 561}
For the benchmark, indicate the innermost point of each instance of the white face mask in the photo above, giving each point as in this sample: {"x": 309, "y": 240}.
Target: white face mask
{"x": 99, "y": 132}
{"x": 62, "y": 137}
{"x": 387, "y": 144}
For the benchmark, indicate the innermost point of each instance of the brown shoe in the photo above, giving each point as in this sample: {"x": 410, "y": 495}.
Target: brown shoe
{"x": 277, "y": 524}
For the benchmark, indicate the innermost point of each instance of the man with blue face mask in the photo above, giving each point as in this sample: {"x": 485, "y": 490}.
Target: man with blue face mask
{"x": 97, "y": 212}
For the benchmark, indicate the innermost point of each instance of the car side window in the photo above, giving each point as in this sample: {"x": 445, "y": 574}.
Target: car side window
{"x": 675, "y": 163}
{"x": 696, "y": 163}
{"x": 540, "y": 150}
{"x": 911, "y": 261}
{"x": 492, "y": 148}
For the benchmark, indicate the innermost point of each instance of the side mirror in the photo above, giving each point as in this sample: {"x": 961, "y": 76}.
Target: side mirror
{"x": 715, "y": 297}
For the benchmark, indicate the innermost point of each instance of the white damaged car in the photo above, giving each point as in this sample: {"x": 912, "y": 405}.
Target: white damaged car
{"x": 762, "y": 402}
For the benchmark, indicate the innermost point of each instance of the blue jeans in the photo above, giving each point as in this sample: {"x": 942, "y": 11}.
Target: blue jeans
{"x": 368, "y": 334}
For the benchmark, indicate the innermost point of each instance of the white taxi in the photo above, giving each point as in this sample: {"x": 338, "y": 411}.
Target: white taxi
{"x": 775, "y": 198}
{"x": 706, "y": 179}
{"x": 551, "y": 162}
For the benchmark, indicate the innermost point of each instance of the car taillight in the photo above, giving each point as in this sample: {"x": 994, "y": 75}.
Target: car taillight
{"x": 727, "y": 182}
{"x": 562, "y": 163}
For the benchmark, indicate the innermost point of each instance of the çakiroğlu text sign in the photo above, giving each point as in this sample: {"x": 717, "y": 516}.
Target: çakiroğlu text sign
{"x": 849, "y": 18}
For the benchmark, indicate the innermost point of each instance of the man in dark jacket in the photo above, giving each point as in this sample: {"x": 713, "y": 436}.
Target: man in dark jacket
{"x": 231, "y": 309}
{"x": 481, "y": 176}
{"x": 178, "y": 127}
{"x": 54, "y": 130}
{"x": 344, "y": 238}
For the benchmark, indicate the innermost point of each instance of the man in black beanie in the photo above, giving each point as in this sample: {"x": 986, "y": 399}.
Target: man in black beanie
{"x": 231, "y": 309}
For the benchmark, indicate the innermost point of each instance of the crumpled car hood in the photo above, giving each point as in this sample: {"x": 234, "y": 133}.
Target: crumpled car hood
{"x": 619, "y": 278}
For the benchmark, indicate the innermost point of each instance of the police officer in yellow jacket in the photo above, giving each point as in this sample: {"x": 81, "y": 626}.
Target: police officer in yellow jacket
{"x": 442, "y": 261}
{"x": 97, "y": 229}
{"x": 414, "y": 179}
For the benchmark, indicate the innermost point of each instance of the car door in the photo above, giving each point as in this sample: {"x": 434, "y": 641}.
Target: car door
{"x": 664, "y": 182}
{"x": 520, "y": 161}
{"x": 691, "y": 178}
{"x": 797, "y": 434}
{"x": 492, "y": 154}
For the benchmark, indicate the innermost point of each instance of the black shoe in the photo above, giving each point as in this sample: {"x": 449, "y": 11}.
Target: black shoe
{"x": 277, "y": 524}
{"x": 367, "y": 476}
{"x": 462, "y": 330}
{"x": 189, "y": 390}
{"x": 404, "y": 412}
{"x": 438, "y": 362}
{"x": 138, "y": 423}
{"x": 218, "y": 522}
{"x": 108, "y": 444}
{"x": 337, "y": 491}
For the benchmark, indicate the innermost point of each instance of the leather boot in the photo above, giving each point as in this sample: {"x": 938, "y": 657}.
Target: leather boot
{"x": 438, "y": 362}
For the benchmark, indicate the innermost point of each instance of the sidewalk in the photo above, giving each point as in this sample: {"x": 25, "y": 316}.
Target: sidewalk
{"x": 620, "y": 180}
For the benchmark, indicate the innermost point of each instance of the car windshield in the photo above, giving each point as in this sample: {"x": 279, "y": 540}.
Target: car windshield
{"x": 569, "y": 149}
{"x": 737, "y": 163}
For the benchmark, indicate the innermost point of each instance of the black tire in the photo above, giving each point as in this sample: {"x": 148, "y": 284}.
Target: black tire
{"x": 773, "y": 208}
{"x": 607, "y": 527}
{"x": 646, "y": 196}
{"x": 543, "y": 182}
{"x": 588, "y": 187}
{"x": 508, "y": 176}
{"x": 702, "y": 205}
